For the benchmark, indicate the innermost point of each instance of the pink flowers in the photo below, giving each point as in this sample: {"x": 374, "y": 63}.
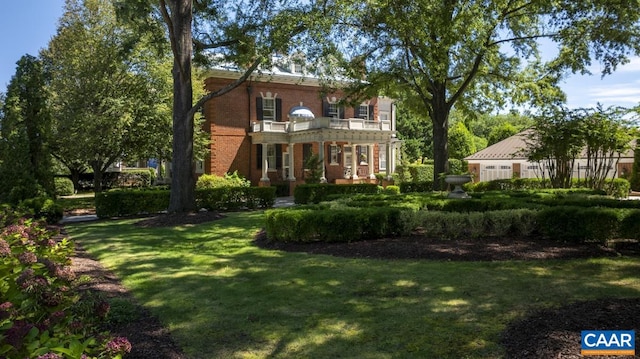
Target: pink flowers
{"x": 118, "y": 345}
{"x": 28, "y": 258}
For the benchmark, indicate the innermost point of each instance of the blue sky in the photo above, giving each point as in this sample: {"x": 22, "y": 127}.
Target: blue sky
{"x": 28, "y": 25}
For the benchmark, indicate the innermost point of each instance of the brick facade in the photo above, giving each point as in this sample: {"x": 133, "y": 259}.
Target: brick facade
{"x": 229, "y": 120}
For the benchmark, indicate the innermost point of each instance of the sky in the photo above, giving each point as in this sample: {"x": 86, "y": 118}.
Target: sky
{"x": 26, "y": 26}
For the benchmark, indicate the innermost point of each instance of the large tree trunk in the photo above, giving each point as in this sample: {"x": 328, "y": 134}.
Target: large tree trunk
{"x": 97, "y": 176}
{"x": 182, "y": 197}
{"x": 439, "y": 112}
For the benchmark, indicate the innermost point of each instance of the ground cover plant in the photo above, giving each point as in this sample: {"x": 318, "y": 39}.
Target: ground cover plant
{"x": 222, "y": 296}
{"x": 43, "y": 314}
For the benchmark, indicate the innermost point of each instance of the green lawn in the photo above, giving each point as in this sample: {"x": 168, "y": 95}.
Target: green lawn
{"x": 222, "y": 297}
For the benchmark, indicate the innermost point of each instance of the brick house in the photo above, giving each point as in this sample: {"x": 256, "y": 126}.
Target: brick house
{"x": 267, "y": 127}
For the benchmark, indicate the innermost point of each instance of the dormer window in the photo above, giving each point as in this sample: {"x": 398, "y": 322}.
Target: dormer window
{"x": 297, "y": 68}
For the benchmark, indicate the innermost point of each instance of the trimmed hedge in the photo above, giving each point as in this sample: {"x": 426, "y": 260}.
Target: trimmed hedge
{"x": 121, "y": 202}
{"x": 316, "y": 193}
{"x": 617, "y": 187}
{"x": 559, "y": 216}
{"x": 118, "y": 203}
{"x": 233, "y": 198}
{"x": 334, "y": 225}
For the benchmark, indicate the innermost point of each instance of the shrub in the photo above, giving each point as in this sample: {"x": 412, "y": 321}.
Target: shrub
{"x": 578, "y": 224}
{"x": 618, "y": 187}
{"x": 316, "y": 193}
{"x": 64, "y": 186}
{"x": 391, "y": 190}
{"x": 409, "y": 187}
{"x": 630, "y": 225}
{"x": 42, "y": 312}
{"x": 207, "y": 181}
{"x": 127, "y": 202}
{"x": 135, "y": 178}
{"x": 43, "y": 207}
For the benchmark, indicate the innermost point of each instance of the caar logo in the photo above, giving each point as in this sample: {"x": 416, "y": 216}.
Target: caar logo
{"x": 608, "y": 342}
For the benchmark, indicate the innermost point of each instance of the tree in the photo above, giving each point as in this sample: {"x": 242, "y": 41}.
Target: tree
{"x": 108, "y": 99}
{"x": 600, "y": 135}
{"x": 555, "y": 142}
{"x": 501, "y": 132}
{"x": 606, "y": 136}
{"x": 25, "y": 125}
{"x": 244, "y": 33}
{"x": 479, "y": 54}
{"x": 461, "y": 141}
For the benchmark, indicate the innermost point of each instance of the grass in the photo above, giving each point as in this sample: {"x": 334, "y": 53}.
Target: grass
{"x": 222, "y": 297}
{"x": 82, "y": 201}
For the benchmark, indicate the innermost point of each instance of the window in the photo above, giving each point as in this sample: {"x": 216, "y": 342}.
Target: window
{"x": 384, "y": 116}
{"x": 331, "y": 108}
{"x": 297, "y": 67}
{"x": 268, "y": 109}
{"x": 363, "y": 111}
{"x": 333, "y": 111}
{"x": 334, "y": 151}
{"x": 347, "y": 155}
{"x": 271, "y": 157}
{"x": 363, "y": 152}
{"x": 382, "y": 155}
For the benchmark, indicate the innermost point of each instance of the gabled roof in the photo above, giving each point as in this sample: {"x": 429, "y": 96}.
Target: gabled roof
{"x": 511, "y": 149}
{"x": 508, "y": 149}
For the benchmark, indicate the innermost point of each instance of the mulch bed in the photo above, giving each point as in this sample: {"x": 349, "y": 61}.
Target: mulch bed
{"x": 550, "y": 333}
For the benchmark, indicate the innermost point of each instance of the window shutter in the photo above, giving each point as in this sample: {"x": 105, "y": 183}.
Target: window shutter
{"x": 259, "y": 109}
{"x": 259, "y": 155}
{"x": 325, "y": 108}
{"x": 278, "y": 109}
{"x": 370, "y": 112}
{"x": 278, "y": 156}
{"x": 341, "y": 112}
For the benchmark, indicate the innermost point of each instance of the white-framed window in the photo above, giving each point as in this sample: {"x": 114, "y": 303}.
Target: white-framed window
{"x": 268, "y": 109}
{"x": 268, "y": 106}
{"x": 363, "y": 111}
{"x": 363, "y": 152}
{"x": 333, "y": 110}
{"x": 346, "y": 152}
{"x": 382, "y": 155}
{"x": 334, "y": 152}
{"x": 384, "y": 116}
{"x": 271, "y": 157}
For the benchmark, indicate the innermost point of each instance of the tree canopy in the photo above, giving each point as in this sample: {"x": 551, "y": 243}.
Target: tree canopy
{"x": 25, "y": 128}
{"x": 244, "y": 33}
{"x": 109, "y": 91}
{"x": 478, "y": 54}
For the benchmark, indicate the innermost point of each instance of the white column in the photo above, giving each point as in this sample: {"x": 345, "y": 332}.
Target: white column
{"x": 291, "y": 162}
{"x": 370, "y": 160}
{"x": 265, "y": 163}
{"x": 388, "y": 155}
{"x": 354, "y": 162}
{"x": 323, "y": 178}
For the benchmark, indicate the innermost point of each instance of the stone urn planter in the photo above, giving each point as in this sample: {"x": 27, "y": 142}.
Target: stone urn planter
{"x": 457, "y": 181}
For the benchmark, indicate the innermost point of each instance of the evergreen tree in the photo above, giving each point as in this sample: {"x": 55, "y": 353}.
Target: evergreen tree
{"x": 25, "y": 127}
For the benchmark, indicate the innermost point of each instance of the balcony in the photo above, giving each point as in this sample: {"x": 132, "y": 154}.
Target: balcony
{"x": 321, "y": 123}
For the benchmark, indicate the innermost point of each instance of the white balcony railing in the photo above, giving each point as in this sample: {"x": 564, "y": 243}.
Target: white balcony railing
{"x": 322, "y": 122}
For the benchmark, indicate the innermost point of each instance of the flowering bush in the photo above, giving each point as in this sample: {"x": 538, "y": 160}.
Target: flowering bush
{"x": 42, "y": 314}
